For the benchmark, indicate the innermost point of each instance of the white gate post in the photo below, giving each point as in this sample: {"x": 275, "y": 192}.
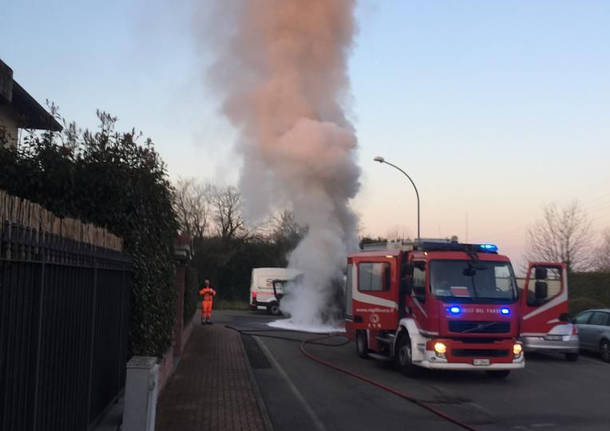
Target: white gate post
{"x": 141, "y": 394}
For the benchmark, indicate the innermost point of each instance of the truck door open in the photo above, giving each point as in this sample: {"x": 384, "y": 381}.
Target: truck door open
{"x": 544, "y": 299}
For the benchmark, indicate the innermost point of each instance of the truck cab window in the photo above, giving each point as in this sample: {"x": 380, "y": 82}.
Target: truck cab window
{"x": 468, "y": 281}
{"x": 503, "y": 279}
{"x": 419, "y": 282}
{"x": 553, "y": 286}
{"x": 373, "y": 276}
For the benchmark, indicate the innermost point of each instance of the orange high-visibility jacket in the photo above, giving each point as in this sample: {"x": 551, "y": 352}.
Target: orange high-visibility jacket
{"x": 208, "y": 293}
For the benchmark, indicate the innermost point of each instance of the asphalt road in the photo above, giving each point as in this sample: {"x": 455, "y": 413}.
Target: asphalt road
{"x": 300, "y": 394}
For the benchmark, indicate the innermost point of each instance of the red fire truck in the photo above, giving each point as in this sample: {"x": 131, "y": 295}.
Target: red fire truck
{"x": 436, "y": 304}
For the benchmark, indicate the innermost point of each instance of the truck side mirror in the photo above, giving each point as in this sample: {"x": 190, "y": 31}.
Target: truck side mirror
{"x": 541, "y": 273}
{"x": 542, "y": 290}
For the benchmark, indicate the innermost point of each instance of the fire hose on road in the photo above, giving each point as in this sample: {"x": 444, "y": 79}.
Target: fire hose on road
{"x": 319, "y": 341}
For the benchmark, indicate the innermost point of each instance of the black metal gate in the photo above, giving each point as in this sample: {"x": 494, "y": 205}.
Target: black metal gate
{"x": 63, "y": 330}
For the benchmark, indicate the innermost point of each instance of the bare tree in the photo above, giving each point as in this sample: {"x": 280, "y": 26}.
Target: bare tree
{"x": 227, "y": 213}
{"x": 286, "y": 229}
{"x": 602, "y": 253}
{"x": 562, "y": 235}
{"x": 192, "y": 205}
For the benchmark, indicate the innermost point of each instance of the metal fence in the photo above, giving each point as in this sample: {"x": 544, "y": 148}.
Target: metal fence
{"x": 63, "y": 330}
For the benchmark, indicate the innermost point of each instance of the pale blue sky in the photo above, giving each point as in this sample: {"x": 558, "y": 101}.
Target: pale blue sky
{"x": 493, "y": 107}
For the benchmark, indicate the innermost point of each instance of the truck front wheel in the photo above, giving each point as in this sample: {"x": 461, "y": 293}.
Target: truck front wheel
{"x": 403, "y": 356}
{"x": 361, "y": 344}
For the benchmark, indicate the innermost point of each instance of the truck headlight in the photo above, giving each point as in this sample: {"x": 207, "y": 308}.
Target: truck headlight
{"x": 517, "y": 350}
{"x": 440, "y": 349}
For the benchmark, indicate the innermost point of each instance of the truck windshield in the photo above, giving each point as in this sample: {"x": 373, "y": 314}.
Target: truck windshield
{"x": 468, "y": 281}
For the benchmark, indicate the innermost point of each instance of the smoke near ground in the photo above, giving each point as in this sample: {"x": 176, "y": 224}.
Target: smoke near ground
{"x": 316, "y": 328}
{"x": 281, "y": 70}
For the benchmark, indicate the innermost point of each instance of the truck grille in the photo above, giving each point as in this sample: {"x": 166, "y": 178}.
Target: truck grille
{"x": 480, "y": 353}
{"x": 478, "y": 327}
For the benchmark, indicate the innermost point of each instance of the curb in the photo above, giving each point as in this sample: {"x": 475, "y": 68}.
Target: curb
{"x": 257, "y": 393}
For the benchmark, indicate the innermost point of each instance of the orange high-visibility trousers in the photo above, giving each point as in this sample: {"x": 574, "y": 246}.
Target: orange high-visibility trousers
{"x": 206, "y": 309}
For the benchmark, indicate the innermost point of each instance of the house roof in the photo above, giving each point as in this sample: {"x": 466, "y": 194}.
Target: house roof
{"x": 29, "y": 114}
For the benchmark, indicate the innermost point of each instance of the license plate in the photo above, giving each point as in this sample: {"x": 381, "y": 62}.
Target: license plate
{"x": 480, "y": 362}
{"x": 553, "y": 337}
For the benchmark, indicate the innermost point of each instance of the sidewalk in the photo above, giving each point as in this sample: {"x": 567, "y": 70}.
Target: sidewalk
{"x": 211, "y": 388}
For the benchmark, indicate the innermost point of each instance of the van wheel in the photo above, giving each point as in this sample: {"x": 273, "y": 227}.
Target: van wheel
{"x": 572, "y": 357}
{"x": 604, "y": 350}
{"x": 361, "y": 344}
{"x": 498, "y": 374}
{"x": 274, "y": 309}
{"x": 403, "y": 356}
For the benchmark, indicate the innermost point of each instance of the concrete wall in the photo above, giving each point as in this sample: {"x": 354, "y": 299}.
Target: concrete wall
{"x": 8, "y": 126}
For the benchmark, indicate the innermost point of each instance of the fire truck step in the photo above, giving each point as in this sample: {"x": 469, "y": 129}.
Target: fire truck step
{"x": 379, "y": 357}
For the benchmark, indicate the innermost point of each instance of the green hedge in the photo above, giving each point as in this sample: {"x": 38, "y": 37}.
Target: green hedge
{"x": 109, "y": 179}
{"x": 589, "y": 290}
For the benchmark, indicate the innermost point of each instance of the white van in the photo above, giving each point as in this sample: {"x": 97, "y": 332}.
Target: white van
{"x": 268, "y": 285}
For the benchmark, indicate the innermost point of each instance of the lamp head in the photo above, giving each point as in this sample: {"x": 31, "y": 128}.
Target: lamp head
{"x": 379, "y": 159}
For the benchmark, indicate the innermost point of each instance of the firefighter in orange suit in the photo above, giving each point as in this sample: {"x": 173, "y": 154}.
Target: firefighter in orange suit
{"x": 206, "y": 304}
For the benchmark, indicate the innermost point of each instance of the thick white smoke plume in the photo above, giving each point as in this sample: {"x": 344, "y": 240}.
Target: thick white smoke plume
{"x": 282, "y": 71}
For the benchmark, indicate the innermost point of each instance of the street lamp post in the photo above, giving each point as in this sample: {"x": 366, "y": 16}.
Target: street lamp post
{"x": 382, "y": 160}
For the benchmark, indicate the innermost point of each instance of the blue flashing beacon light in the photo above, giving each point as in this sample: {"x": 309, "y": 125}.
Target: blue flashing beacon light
{"x": 488, "y": 247}
{"x": 505, "y": 311}
{"x": 455, "y": 310}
